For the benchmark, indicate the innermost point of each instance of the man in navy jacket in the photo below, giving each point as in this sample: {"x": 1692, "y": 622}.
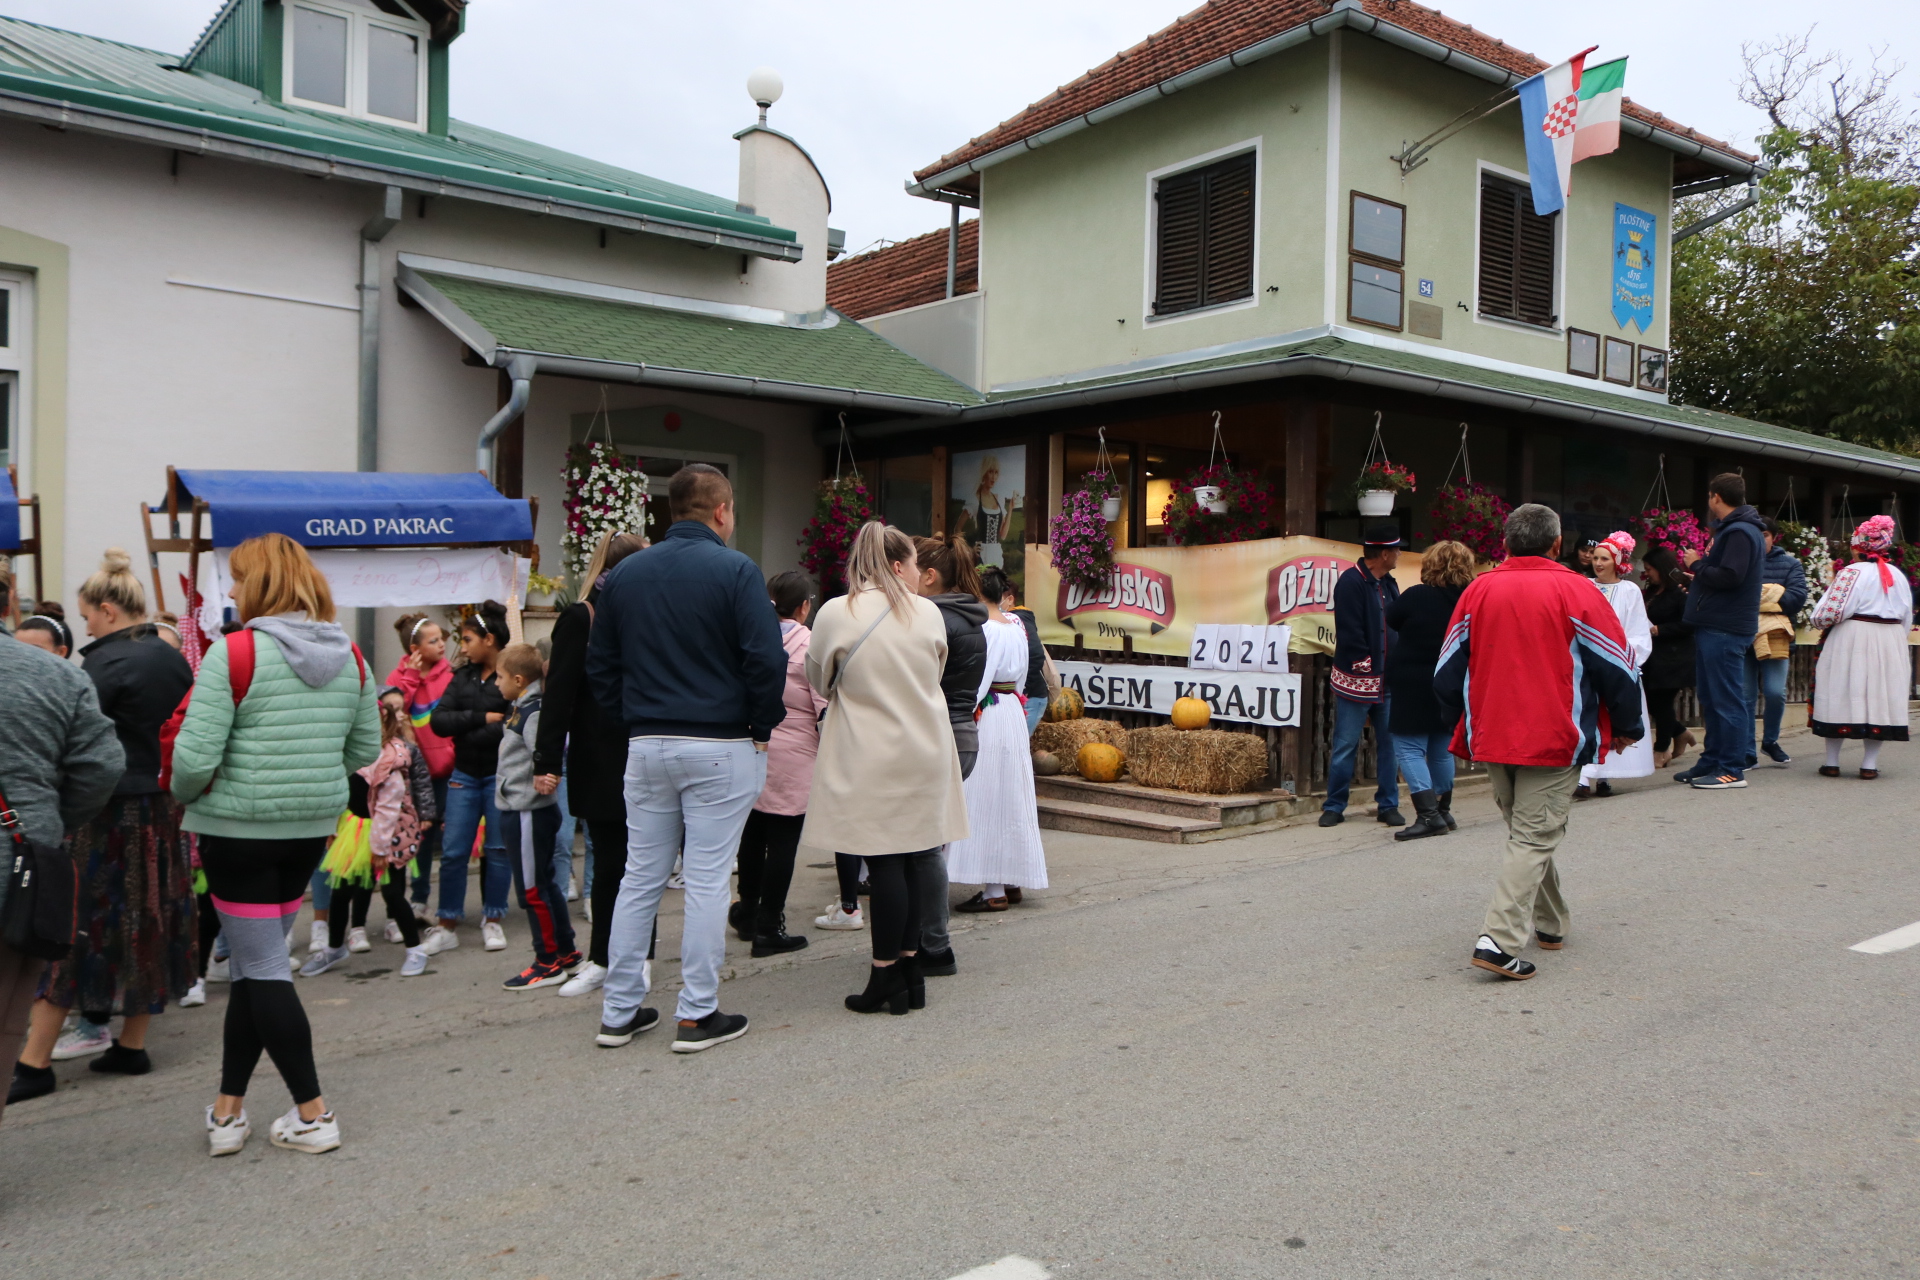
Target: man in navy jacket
{"x": 1361, "y": 597}
{"x": 685, "y": 650}
{"x": 1723, "y": 608}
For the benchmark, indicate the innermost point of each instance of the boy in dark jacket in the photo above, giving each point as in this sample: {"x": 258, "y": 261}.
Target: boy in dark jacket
{"x": 1723, "y": 608}
{"x": 530, "y": 822}
{"x": 1361, "y": 599}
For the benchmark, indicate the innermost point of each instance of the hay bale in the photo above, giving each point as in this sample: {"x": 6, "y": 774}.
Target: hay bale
{"x": 1210, "y": 761}
{"x": 1064, "y": 738}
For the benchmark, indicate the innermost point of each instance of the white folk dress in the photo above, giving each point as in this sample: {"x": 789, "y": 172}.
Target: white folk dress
{"x": 1003, "y": 844}
{"x": 1860, "y": 678}
{"x": 1631, "y": 608}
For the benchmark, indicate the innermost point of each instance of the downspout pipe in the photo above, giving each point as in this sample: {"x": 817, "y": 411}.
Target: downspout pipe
{"x": 953, "y": 247}
{"x": 521, "y": 370}
{"x": 367, "y": 452}
{"x": 1714, "y": 219}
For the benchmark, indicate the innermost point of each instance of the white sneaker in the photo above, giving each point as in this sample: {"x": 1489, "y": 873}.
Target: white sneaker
{"x": 416, "y": 962}
{"x": 838, "y": 917}
{"x": 573, "y": 893}
{"x": 217, "y": 970}
{"x": 316, "y": 937}
{"x": 226, "y": 1137}
{"x": 318, "y": 962}
{"x": 393, "y": 931}
{"x": 196, "y": 995}
{"x": 588, "y": 977}
{"x": 438, "y": 939}
{"x": 589, "y": 909}
{"x": 492, "y": 936}
{"x": 311, "y": 1136}
{"x": 357, "y": 940}
{"x": 78, "y": 1042}
{"x": 676, "y": 881}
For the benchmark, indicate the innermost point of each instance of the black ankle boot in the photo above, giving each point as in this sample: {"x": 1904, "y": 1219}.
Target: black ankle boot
{"x": 1446, "y": 810}
{"x": 1429, "y": 822}
{"x": 916, "y": 981}
{"x": 772, "y": 939}
{"x": 886, "y": 989}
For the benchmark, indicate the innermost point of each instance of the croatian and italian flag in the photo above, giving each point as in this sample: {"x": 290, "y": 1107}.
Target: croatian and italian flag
{"x": 1568, "y": 113}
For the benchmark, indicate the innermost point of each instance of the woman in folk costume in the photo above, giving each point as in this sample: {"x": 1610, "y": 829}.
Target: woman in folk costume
{"x": 1860, "y": 678}
{"x": 1612, "y": 556}
{"x": 1003, "y": 851}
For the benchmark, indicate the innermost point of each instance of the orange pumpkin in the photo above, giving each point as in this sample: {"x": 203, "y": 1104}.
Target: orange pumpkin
{"x": 1191, "y": 713}
{"x": 1099, "y": 762}
{"x": 1066, "y": 704}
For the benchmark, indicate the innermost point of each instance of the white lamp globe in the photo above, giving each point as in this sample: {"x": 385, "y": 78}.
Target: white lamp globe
{"x": 764, "y": 86}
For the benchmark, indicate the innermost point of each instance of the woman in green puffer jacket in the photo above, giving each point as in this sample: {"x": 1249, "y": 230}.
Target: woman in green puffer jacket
{"x": 263, "y": 781}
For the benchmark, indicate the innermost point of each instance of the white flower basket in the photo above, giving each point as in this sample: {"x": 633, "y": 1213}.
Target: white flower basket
{"x": 1376, "y": 502}
{"x": 1209, "y": 497}
{"x": 1110, "y": 509}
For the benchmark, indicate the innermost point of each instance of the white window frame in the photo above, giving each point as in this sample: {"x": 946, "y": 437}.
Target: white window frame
{"x": 359, "y": 20}
{"x": 1558, "y": 330}
{"x": 1254, "y": 146}
{"x": 16, "y": 370}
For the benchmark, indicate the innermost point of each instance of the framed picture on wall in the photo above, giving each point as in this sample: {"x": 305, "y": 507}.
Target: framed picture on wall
{"x": 987, "y": 507}
{"x": 1583, "y": 353}
{"x": 1618, "y": 366}
{"x": 1653, "y": 370}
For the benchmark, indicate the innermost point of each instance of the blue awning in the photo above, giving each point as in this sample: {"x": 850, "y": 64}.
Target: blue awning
{"x": 9, "y": 513}
{"x": 358, "y": 508}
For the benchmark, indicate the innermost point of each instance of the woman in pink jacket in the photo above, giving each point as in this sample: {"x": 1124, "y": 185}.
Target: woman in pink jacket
{"x": 421, "y": 677}
{"x": 772, "y": 834}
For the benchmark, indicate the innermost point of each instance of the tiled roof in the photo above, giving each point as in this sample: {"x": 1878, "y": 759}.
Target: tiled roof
{"x": 1219, "y": 28}
{"x": 840, "y": 357}
{"x": 47, "y": 64}
{"x": 904, "y": 275}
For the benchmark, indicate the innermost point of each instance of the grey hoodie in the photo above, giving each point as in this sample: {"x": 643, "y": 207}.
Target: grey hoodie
{"x": 59, "y": 756}
{"x": 315, "y": 650}
{"x": 513, "y": 786}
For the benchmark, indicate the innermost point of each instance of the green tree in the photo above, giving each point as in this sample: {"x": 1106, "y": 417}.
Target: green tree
{"x": 1805, "y": 309}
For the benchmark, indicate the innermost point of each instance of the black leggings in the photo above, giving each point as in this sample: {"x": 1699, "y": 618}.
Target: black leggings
{"x": 609, "y": 840}
{"x": 846, "y": 866}
{"x": 209, "y": 930}
{"x": 353, "y": 901}
{"x": 895, "y": 922}
{"x": 768, "y": 844}
{"x": 1667, "y": 726}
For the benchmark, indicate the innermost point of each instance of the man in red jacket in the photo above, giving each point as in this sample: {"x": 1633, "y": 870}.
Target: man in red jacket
{"x": 1537, "y": 667}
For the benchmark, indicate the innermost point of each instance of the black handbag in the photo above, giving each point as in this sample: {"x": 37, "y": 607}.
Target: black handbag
{"x": 41, "y": 913}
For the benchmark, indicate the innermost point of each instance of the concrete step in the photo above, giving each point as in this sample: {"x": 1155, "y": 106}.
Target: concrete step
{"x": 1226, "y": 810}
{"x": 1123, "y": 824}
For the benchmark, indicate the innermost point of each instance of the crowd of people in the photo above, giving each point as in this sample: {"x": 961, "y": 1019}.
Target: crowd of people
{"x": 704, "y": 723}
{"x": 699, "y": 722}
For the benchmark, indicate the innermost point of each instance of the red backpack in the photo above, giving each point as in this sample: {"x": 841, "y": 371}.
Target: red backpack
{"x": 240, "y": 679}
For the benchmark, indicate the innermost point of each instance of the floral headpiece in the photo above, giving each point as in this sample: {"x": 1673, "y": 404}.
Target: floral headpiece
{"x": 1875, "y": 533}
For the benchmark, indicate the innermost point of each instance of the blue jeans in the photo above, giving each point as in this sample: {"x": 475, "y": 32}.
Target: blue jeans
{"x": 469, "y": 799}
{"x": 430, "y": 845}
{"x": 531, "y": 835}
{"x": 1349, "y": 718}
{"x": 691, "y": 797}
{"x": 1717, "y": 680}
{"x": 1765, "y": 676}
{"x": 1424, "y": 760}
{"x": 322, "y": 885}
{"x": 563, "y": 844}
{"x": 1036, "y": 707}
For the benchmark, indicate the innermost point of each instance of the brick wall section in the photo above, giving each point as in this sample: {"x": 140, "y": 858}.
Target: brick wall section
{"x": 904, "y": 275}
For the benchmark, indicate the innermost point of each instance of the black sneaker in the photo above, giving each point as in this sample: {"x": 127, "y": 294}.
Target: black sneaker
{"x": 571, "y": 962}
{"x": 1752, "y": 760}
{"x": 1549, "y": 941}
{"x": 1391, "y": 817}
{"x": 776, "y": 944}
{"x": 1602, "y": 789}
{"x": 121, "y": 1060}
{"x": 537, "y": 974}
{"x": 715, "y": 1028}
{"x": 1775, "y": 754}
{"x": 612, "y": 1037}
{"x": 938, "y": 964}
{"x": 1718, "y": 782}
{"x": 1688, "y": 775}
{"x": 1331, "y": 817}
{"x": 740, "y": 920}
{"x": 1494, "y": 960}
{"x": 30, "y": 1082}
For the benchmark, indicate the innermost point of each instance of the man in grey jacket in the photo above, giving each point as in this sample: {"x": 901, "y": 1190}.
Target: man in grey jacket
{"x": 59, "y": 763}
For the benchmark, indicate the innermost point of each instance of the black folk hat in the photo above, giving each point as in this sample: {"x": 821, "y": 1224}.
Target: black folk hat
{"x": 1383, "y": 535}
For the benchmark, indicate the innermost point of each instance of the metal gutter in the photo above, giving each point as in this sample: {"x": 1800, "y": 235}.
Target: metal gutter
{"x": 1343, "y": 14}
{"x": 66, "y": 114}
{"x": 1320, "y": 366}
{"x": 739, "y": 312}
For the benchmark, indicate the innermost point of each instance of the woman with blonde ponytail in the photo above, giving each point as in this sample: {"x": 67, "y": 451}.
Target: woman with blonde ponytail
{"x": 137, "y": 916}
{"x": 886, "y": 783}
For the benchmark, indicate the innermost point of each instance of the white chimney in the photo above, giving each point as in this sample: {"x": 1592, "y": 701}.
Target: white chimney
{"x": 779, "y": 181}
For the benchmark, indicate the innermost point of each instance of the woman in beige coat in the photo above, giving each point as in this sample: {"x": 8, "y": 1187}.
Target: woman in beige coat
{"x": 886, "y": 784}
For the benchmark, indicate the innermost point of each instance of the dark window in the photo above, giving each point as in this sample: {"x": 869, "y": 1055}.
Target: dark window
{"x": 1205, "y": 250}
{"x": 1516, "y": 254}
{"x": 6, "y": 317}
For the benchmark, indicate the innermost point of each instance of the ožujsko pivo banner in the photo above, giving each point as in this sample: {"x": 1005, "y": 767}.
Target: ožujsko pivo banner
{"x": 1157, "y": 595}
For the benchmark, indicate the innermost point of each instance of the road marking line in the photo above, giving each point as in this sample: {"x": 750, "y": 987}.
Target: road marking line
{"x": 1011, "y": 1267}
{"x": 1898, "y": 940}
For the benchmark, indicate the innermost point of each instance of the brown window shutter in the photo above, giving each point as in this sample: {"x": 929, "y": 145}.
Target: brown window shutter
{"x": 1206, "y": 237}
{"x": 1516, "y": 254}
{"x": 1229, "y": 260}
{"x": 1182, "y": 202}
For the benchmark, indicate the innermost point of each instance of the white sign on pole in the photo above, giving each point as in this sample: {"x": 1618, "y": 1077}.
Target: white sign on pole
{"x": 1248, "y": 697}
{"x": 402, "y": 577}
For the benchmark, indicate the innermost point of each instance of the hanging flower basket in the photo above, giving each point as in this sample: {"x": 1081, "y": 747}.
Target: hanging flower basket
{"x": 840, "y": 509}
{"x": 1807, "y": 544}
{"x": 1675, "y": 529}
{"x": 1080, "y": 542}
{"x": 605, "y": 491}
{"x": 1473, "y": 515}
{"x": 1104, "y": 488}
{"x": 1379, "y": 483}
{"x": 1240, "y": 510}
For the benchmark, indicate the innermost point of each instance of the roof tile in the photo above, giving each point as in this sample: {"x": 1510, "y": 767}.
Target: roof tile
{"x": 908, "y": 274}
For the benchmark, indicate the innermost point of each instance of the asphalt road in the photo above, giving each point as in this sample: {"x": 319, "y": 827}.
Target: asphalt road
{"x": 1271, "y": 1062}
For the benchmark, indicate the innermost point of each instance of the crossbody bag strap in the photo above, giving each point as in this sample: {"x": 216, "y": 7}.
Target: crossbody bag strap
{"x": 10, "y": 821}
{"x": 841, "y": 670}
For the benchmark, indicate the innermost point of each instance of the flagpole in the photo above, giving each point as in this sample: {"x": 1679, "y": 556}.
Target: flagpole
{"x": 1414, "y": 154}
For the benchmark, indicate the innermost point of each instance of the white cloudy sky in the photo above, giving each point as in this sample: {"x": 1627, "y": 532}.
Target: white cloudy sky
{"x": 877, "y": 88}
